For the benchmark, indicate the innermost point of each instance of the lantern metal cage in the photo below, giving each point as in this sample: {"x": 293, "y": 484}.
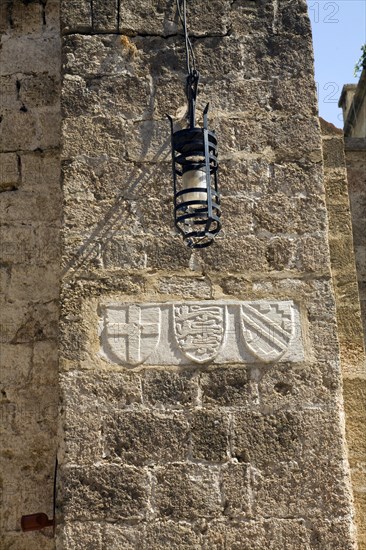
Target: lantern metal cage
{"x": 197, "y": 207}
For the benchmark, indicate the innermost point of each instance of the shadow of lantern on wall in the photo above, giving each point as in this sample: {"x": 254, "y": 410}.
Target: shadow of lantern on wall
{"x": 197, "y": 208}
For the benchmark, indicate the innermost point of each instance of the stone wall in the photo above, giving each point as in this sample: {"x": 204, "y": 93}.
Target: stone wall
{"x": 355, "y": 149}
{"x": 30, "y": 223}
{"x": 205, "y": 449}
{"x": 349, "y": 321}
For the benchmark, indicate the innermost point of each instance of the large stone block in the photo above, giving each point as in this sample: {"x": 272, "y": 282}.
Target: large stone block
{"x": 286, "y": 96}
{"x": 296, "y": 139}
{"x": 209, "y": 436}
{"x": 187, "y": 492}
{"x": 280, "y": 534}
{"x": 337, "y": 534}
{"x": 236, "y": 490}
{"x": 284, "y": 386}
{"x": 129, "y": 97}
{"x": 341, "y": 249}
{"x": 100, "y": 391}
{"x": 21, "y": 355}
{"x": 18, "y": 541}
{"x": 156, "y": 17}
{"x": 32, "y": 206}
{"x": 246, "y": 178}
{"x": 99, "y": 55}
{"x": 83, "y": 440}
{"x": 172, "y": 390}
{"x": 20, "y": 18}
{"x": 238, "y": 136}
{"x": 292, "y": 474}
{"x": 18, "y": 54}
{"x": 9, "y": 173}
{"x": 76, "y": 15}
{"x": 295, "y": 179}
{"x": 105, "y": 15}
{"x": 185, "y": 287}
{"x": 102, "y": 135}
{"x": 171, "y": 534}
{"x": 41, "y": 173}
{"x": 272, "y": 533}
{"x": 149, "y": 141}
{"x": 293, "y": 18}
{"x": 112, "y": 180}
{"x": 39, "y": 90}
{"x": 146, "y": 437}
{"x": 355, "y": 408}
{"x": 49, "y": 123}
{"x": 19, "y": 131}
{"x": 235, "y": 97}
{"x": 123, "y": 537}
{"x": 104, "y": 492}
{"x": 268, "y": 213}
{"x": 333, "y": 152}
{"x": 34, "y": 282}
{"x": 76, "y": 537}
{"x": 226, "y": 387}
{"x": 9, "y": 93}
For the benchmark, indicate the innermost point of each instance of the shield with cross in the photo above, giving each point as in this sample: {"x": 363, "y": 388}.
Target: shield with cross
{"x": 132, "y": 332}
{"x": 268, "y": 328}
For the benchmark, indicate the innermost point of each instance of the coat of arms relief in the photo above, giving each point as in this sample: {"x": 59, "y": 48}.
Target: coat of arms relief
{"x": 201, "y": 333}
{"x": 199, "y": 330}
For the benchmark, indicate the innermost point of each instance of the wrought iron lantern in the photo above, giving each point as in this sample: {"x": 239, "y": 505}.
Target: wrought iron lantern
{"x": 194, "y": 162}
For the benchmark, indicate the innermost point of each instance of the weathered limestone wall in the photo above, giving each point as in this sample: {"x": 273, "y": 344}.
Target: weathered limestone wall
{"x": 349, "y": 322}
{"x": 355, "y": 149}
{"x": 233, "y": 453}
{"x": 29, "y": 265}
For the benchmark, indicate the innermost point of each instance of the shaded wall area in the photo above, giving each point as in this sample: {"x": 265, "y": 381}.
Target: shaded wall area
{"x": 353, "y": 103}
{"x": 30, "y": 211}
{"x": 355, "y": 150}
{"x": 342, "y": 236}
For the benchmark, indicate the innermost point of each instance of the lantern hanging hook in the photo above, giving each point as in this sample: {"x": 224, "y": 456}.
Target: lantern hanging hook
{"x": 190, "y": 58}
{"x": 192, "y": 73}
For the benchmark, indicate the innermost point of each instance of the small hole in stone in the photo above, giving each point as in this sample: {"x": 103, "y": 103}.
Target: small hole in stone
{"x": 241, "y": 457}
{"x": 283, "y": 388}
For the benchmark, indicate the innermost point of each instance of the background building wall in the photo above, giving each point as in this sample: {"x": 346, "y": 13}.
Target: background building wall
{"x": 353, "y": 102}
{"x": 355, "y": 150}
{"x": 349, "y": 318}
{"x": 216, "y": 456}
{"x": 30, "y": 211}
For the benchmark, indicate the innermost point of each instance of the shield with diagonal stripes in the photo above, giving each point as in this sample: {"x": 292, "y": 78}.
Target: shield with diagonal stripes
{"x": 267, "y": 328}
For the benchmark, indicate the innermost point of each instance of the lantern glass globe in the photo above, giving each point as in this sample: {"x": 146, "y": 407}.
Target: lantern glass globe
{"x": 195, "y": 179}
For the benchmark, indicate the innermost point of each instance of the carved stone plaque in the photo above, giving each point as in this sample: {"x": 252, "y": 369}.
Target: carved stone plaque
{"x": 267, "y": 328}
{"x": 132, "y": 332}
{"x": 201, "y": 332}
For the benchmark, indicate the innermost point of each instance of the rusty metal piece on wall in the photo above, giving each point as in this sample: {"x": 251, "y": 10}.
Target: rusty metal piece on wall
{"x": 36, "y": 522}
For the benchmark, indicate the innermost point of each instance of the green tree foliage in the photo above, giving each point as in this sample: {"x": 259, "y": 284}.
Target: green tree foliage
{"x": 361, "y": 63}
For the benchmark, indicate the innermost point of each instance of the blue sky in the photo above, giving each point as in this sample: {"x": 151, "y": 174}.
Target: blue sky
{"x": 339, "y": 30}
